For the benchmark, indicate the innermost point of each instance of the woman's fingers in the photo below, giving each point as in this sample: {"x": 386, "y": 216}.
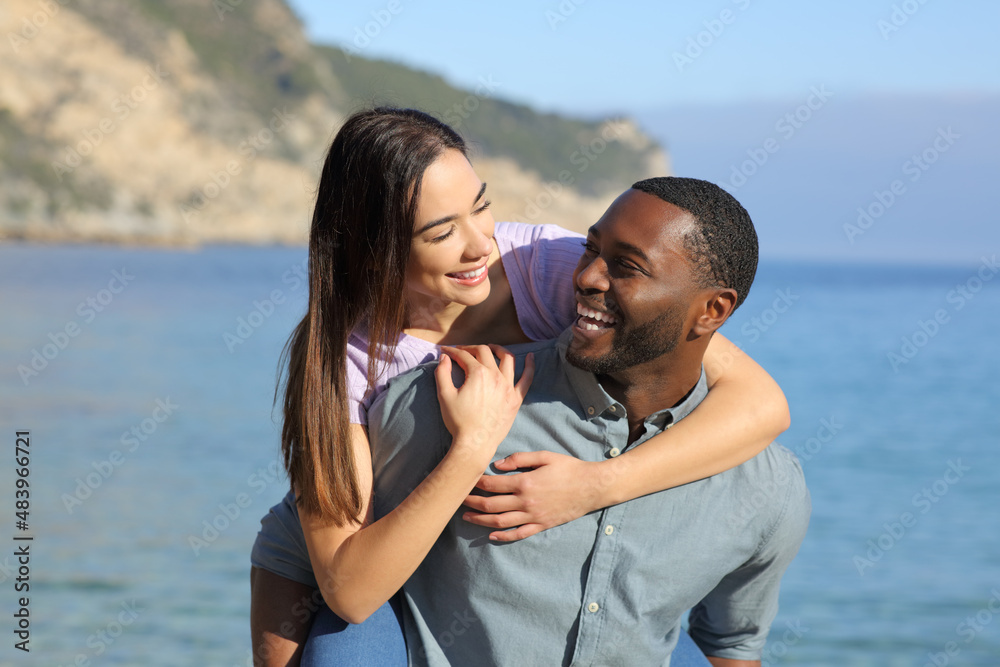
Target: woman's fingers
{"x": 527, "y": 375}
{"x": 498, "y": 483}
{"x": 486, "y": 402}
{"x": 480, "y": 353}
{"x": 506, "y": 361}
{"x": 442, "y": 375}
{"x": 520, "y": 460}
{"x": 461, "y": 357}
{"x": 503, "y": 520}
{"x": 493, "y": 504}
{"x": 476, "y": 360}
{"x": 519, "y": 533}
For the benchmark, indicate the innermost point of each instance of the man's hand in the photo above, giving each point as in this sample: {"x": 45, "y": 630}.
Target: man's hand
{"x": 556, "y": 490}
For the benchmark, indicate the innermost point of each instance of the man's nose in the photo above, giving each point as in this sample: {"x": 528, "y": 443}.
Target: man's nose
{"x": 593, "y": 276}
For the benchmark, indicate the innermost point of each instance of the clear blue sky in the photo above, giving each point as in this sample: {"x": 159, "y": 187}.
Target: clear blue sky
{"x": 592, "y": 56}
{"x": 900, "y": 71}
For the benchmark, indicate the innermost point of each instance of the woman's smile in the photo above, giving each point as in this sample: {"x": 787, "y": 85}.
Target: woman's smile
{"x": 471, "y": 278}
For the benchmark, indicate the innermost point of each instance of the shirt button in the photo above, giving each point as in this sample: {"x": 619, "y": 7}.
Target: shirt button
{"x": 593, "y": 607}
{"x": 669, "y": 425}
{"x": 608, "y": 530}
{"x": 614, "y": 452}
{"x": 590, "y": 410}
{"x": 612, "y": 408}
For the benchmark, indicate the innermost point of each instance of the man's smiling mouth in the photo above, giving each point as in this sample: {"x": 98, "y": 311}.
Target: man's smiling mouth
{"x": 593, "y": 320}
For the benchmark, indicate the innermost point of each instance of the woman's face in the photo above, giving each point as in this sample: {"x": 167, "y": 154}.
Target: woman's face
{"x": 452, "y": 236}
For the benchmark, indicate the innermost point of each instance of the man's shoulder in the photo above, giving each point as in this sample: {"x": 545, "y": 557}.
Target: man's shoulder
{"x": 774, "y": 484}
{"x": 417, "y": 385}
{"x": 768, "y": 488}
{"x": 780, "y": 457}
{"x": 778, "y": 464}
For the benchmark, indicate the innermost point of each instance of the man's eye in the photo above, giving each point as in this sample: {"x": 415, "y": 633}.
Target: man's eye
{"x": 629, "y": 266}
{"x": 589, "y": 247}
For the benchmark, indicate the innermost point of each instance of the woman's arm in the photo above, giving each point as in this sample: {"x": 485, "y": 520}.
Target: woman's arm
{"x": 744, "y": 411}
{"x": 361, "y": 565}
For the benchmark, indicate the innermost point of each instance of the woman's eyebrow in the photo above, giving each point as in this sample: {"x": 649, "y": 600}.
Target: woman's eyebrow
{"x": 482, "y": 191}
{"x": 449, "y": 218}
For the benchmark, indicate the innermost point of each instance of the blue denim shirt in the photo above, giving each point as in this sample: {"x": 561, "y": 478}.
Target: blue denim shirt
{"x": 611, "y": 587}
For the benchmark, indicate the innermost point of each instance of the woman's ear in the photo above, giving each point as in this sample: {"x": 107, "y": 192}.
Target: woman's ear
{"x": 719, "y": 304}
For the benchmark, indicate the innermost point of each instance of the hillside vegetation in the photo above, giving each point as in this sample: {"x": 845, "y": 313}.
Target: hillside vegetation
{"x": 184, "y": 121}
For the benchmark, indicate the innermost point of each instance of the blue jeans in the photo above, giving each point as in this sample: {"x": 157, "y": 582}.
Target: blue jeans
{"x": 378, "y": 642}
{"x": 687, "y": 653}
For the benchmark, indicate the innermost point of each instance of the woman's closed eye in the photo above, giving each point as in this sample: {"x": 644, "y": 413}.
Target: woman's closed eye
{"x": 445, "y": 236}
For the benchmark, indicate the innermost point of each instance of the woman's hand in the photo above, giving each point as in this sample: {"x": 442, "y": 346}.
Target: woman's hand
{"x": 558, "y": 489}
{"x": 480, "y": 412}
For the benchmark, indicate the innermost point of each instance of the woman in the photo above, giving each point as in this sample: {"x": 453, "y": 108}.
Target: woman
{"x": 404, "y": 256}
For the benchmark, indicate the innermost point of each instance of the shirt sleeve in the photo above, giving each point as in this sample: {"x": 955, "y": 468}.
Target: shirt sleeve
{"x": 358, "y": 396}
{"x": 280, "y": 546}
{"x": 734, "y": 619}
{"x": 539, "y": 261}
{"x": 407, "y": 354}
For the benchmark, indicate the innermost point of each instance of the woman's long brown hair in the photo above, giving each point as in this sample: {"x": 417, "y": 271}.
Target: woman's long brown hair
{"x": 359, "y": 245}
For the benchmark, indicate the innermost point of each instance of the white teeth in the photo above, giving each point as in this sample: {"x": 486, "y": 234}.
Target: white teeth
{"x": 469, "y": 275}
{"x": 594, "y": 315}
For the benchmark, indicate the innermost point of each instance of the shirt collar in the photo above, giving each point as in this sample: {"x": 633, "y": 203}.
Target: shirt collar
{"x": 595, "y": 401}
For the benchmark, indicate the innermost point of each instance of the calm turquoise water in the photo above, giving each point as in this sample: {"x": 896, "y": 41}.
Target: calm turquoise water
{"x": 116, "y": 577}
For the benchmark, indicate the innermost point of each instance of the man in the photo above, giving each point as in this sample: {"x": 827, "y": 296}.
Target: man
{"x": 662, "y": 270}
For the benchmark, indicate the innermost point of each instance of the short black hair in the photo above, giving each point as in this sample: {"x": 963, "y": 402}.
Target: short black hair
{"x": 722, "y": 242}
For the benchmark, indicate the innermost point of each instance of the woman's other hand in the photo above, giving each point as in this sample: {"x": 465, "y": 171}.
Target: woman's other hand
{"x": 557, "y": 489}
{"x": 480, "y": 412}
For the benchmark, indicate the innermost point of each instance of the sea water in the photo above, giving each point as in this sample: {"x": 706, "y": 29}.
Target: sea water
{"x": 146, "y": 379}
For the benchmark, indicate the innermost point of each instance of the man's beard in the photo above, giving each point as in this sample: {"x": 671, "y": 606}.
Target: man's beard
{"x": 631, "y": 347}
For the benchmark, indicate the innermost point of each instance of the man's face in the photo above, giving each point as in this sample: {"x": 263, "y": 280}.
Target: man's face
{"x": 634, "y": 285}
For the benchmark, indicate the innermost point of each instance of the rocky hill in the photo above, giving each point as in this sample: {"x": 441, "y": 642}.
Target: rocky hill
{"x": 186, "y": 122}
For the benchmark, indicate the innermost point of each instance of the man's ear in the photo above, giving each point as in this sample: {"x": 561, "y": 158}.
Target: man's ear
{"x": 719, "y": 304}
